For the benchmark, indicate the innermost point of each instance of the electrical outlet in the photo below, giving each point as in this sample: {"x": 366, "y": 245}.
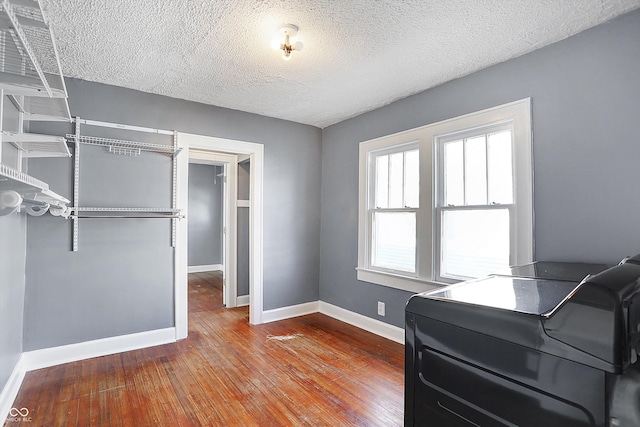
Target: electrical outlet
{"x": 380, "y": 308}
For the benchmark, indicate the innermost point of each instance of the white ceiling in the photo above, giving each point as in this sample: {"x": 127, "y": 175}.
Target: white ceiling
{"x": 358, "y": 54}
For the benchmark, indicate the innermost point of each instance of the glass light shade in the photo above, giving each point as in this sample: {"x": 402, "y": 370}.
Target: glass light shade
{"x": 298, "y": 46}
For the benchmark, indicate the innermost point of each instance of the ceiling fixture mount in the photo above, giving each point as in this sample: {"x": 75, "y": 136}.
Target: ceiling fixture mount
{"x": 285, "y": 32}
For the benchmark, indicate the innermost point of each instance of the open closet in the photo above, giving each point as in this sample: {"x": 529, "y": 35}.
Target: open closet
{"x": 28, "y": 92}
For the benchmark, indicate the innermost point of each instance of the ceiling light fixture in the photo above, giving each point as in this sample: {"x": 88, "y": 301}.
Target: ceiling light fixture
{"x": 286, "y": 31}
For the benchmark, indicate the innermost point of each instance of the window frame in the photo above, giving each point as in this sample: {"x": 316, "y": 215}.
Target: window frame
{"x": 426, "y": 137}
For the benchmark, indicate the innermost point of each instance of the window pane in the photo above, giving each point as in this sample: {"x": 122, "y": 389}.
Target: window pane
{"x": 453, "y": 173}
{"x": 394, "y": 241}
{"x": 382, "y": 181}
{"x": 474, "y": 243}
{"x": 500, "y": 168}
{"x": 476, "y": 171}
{"x": 396, "y": 172}
{"x": 411, "y": 178}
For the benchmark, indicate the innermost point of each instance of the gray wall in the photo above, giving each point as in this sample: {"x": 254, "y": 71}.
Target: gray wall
{"x": 205, "y": 215}
{"x": 13, "y": 229}
{"x": 121, "y": 279}
{"x": 585, "y": 93}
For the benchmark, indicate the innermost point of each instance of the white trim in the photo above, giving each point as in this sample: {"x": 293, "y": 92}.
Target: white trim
{"x": 242, "y": 300}
{"x": 180, "y": 260}
{"x": 204, "y": 268}
{"x": 243, "y": 203}
{"x": 38, "y": 359}
{"x": 11, "y": 388}
{"x": 256, "y": 154}
{"x": 410, "y": 284}
{"x": 374, "y": 326}
{"x": 283, "y": 313}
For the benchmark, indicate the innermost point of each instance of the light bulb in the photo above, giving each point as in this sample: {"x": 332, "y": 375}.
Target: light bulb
{"x": 286, "y": 55}
{"x": 298, "y": 46}
{"x": 275, "y": 45}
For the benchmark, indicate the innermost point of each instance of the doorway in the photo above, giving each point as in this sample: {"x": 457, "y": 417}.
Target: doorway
{"x": 228, "y": 164}
{"x": 211, "y": 146}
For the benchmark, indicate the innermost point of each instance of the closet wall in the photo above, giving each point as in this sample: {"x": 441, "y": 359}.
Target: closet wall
{"x": 13, "y": 229}
{"x": 121, "y": 279}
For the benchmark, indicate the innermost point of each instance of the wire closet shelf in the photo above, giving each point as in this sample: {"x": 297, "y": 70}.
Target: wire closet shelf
{"x": 128, "y": 148}
{"x": 30, "y": 71}
{"x": 32, "y": 188}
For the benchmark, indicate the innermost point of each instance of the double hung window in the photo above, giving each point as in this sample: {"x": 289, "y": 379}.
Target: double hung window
{"x": 394, "y": 204}
{"x": 474, "y": 202}
{"x": 448, "y": 201}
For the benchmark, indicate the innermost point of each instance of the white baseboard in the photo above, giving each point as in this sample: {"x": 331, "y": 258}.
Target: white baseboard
{"x": 363, "y": 322}
{"x": 47, "y": 357}
{"x": 11, "y": 388}
{"x": 374, "y": 326}
{"x": 242, "y": 300}
{"x": 203, "y": 268}
{"x": 289, "y": 312}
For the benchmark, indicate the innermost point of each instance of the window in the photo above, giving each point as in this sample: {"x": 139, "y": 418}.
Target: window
{"x": 474, "y": 202}
{"x": 448, "y": 201}
{"x": 393, "y": 207}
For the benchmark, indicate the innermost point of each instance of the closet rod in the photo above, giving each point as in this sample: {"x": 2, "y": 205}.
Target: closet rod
{"x": 121, "y": 126}
{"x": 37, "y": 203}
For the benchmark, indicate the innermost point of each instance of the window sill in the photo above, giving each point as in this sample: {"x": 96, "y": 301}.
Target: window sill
{"x": 409, "y": 284}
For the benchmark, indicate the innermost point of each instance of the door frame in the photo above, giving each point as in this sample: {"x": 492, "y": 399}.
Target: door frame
{"x": 229, "y": 162}
{"x": 256, "y": 154}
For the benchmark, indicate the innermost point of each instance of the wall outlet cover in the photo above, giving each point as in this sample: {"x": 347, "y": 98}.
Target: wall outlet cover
{"x": 380, "y": 308}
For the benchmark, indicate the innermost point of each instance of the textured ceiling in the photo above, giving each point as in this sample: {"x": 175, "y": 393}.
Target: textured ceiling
{"x": 358, "y": 54}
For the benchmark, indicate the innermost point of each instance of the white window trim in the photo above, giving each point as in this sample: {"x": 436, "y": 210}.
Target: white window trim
{"x": 519, "y": 112}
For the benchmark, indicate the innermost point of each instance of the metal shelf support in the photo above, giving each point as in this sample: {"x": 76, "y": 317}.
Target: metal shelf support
{"x": 76, "y": 183}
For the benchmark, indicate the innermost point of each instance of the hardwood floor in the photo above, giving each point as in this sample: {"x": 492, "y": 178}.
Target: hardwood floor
{"x": 307, "y": 371}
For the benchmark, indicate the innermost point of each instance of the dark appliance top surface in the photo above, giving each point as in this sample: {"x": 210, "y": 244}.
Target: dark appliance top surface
{"x": 573, "y": 271}
{"x": 525, "y": 295}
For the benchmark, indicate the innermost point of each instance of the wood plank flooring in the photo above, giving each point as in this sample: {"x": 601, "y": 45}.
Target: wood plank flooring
{"x": 307, "y": 371}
